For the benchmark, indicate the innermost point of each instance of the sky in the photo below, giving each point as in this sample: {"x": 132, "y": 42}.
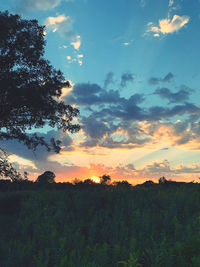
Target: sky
{"x": 134, "y": 66}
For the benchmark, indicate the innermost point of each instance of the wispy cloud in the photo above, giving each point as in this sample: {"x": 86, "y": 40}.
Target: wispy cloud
{"x": 30, "y": 5}
{"x": 167, "y": 25}
{"x": 64, "y": 26}
{"x": 168, "y": 78}
{"x": 125, "y": 78}
{"x": 180, "y": 96}
{"x": 109, "y": 79}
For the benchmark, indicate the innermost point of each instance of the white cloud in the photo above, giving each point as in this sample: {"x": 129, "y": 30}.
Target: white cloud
{"x": 56, "y": 20}
{"x": 78, "y": 59}
{"x": 167, "y": 26}
{"x": 63, "y": 25}
{"x": 77, "y": 43}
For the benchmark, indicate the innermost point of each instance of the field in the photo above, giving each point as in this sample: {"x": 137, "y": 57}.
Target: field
{"x": 65, "y": 225}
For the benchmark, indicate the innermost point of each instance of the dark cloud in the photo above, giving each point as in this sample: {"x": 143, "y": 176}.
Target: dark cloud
{"x": 41, "y": 154}
{"x": 168, "y": 78}
{"x": 109, "y": 79}
{"x": 154, "y": 81}
{"x": 131, "y": 111}
{"x": 180, "y": 96}
{"x": 125, "y": 78}
{"x": 92, "y": 94}
{"x": 157, "y": 112}
{"x": 94, "y": 128}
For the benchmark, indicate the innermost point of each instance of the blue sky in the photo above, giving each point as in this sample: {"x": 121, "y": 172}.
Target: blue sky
{"x": 134, "y": 65}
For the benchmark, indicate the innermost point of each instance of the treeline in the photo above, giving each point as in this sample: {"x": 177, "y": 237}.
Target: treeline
{"x": 47, "y": 181}
{"x": 96, "y": 225}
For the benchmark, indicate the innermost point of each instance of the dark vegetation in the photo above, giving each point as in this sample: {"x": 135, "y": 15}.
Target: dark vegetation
{"x": 30, "y": 90}
{"x": 30, "y": 86}
{"x": 86, "y": 224}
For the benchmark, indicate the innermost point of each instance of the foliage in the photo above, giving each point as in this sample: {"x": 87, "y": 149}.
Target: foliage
{"x": 122, "y": 184}
{"x": 7, "y": 170}
{"x": 162, "y": 180}
{"x": 104, "y": 179}
{"x": 46, "y": 177}
{"x": 30, "y": 86}
{"x": 87, "y": 226}
{"x": 132, "y": 262}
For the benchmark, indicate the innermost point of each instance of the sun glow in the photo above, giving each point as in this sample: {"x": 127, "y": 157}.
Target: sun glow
{"x": 95, "y": 179}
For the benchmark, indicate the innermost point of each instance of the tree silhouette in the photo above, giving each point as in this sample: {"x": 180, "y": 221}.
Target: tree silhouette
{"x": 123, "y": 183}
{"x": 162, "y": 180}
{"x": 104, "y": 179}
{"x": 46, "y": 178}
{"x": 29, "y": 86}
{"x": 8, "y": 170}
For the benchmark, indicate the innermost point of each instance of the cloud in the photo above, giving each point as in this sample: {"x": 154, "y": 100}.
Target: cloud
{"x": 76, "y": 58}
{"x": 77, "y": 43}
{"x": 64, "y": 26}
{"x": 167, "y": 26}
{"x": 125, "y": 78}
{"x": 164, "y": 168}
{"x": 109, "y": 120}
{"x": 28, "y": 5}
{"x": 180, "y": 96}
{"x": 41, "y": 154}
{"x": 138, "y": 127}
{"x": 127, "y": 43}
{"x": 116, "y": 122}
{"x": 168, "y": 78}
{"x": 109, "y": 79}
{"x": 158, "y": 112}
{"x": 94, "y": 128}
{"x": 93, "y": 94}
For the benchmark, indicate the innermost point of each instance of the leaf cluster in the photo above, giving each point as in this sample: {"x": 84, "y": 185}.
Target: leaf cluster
{"x": 30, "y": 86}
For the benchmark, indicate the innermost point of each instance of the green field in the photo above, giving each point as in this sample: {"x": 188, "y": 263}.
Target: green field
{"x": 97, "y": 226}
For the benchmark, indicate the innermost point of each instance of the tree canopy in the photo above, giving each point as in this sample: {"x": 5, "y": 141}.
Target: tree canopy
{"x": 30, "y": 86}
{"x": 104, "y": 179}
{"x": 46, "y": 177}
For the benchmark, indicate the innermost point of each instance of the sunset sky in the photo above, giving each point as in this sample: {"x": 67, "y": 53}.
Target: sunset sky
{"x": 135, "y": 70}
